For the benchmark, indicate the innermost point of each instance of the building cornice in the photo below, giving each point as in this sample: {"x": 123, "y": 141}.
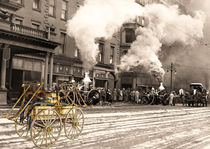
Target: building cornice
{"x": 10, "y": 4}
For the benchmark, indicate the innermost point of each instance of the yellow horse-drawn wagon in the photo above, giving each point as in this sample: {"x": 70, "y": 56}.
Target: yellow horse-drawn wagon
{"x": 42, "y": 115}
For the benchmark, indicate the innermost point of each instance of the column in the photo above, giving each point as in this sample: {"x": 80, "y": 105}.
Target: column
{"x": 94, "y": 82}
{"x": 3, "y": 73}
{"x": 134, "y": 83}
{"x": 5, "y": 57}
{"x": 106, "y": 82}
{"x": 10, "y": 72}
{"x": 46, "y": 71}
{"x": 51, "y": 71}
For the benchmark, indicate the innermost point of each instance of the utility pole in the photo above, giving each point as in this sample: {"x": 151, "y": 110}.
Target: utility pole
{"x": 172, "y": 70}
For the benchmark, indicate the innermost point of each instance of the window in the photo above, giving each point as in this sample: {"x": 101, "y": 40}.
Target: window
{"x": 36, "y": 4}
{"x": 111, "y": 61}
{"x": 101, "y": 53}
{"x": 18, "y": 21}
{"x": 64, "y": 10}
{"x": 143, "y": 22}
{"x": 130, "y": 35}
{"x": 140, "y": 21}
{"x": 78, "y": 4}
{"x": 63, "y": 41}
{"x": 51, "y": 7}
{"x": 35, "y": 26}
{"x": 76, "y": 53}
{"x": 124, "y": 52}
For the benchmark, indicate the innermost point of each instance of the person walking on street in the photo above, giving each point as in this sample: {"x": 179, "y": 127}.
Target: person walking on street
{"x": 123, "y": 92}
{"x": 137, "y": 96}
{"x": 171, "y": 98}
{"x": 115, "y": 95}
{"x": 103, "y": 94}
{"x": 118, "y": 95}
{"x": 121, "y": 95}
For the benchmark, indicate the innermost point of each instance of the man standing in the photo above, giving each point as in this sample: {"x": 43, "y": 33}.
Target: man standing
{"x": 171, "y": 98}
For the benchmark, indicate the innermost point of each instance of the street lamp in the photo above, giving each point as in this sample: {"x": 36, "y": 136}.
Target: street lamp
{"x": 172, "y": 70}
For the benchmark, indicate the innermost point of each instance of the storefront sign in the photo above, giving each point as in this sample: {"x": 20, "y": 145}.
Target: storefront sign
{"x": 77, "y": 71}
{"x": 17, "y": 63}
{"x": 100, "y": 76}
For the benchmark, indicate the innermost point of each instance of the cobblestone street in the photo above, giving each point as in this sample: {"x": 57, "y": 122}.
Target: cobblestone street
{"x": 129, "y": 126}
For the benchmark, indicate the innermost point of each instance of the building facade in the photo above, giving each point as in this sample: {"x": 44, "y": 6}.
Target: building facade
{"x": 138, "y": 76}
{"x": 34, "y": 46}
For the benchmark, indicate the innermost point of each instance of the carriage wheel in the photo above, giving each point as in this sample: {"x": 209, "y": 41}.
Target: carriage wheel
{"x": 22, "y": 129}
{"x": 74, "y": 123}
{"x": 46, "y": 128}
{"x": 145, "y": 100}
{"x": 93, "y": 97}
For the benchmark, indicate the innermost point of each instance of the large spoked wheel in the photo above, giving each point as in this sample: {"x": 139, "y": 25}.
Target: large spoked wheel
{"x": 74, "y": 123}
{"x": 46, "y": 128}
{"x": 22, "y": 127}
{"x": 93, "y": 97}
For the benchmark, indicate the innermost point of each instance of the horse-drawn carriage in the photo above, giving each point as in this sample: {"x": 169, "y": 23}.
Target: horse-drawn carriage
{"x": 43, "y": 114}
{"x": 197, "y": 96}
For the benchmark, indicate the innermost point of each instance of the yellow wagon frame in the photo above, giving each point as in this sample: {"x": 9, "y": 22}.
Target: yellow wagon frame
{"x": 47, "y": 121}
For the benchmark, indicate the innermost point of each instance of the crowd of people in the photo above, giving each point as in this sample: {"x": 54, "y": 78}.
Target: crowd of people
{"x": 127, "y": 95}
{"x": 152, "y": 96}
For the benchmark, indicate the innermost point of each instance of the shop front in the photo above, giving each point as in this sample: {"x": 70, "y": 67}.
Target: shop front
{"x": 61, "y": 73}
{"x": 24, "y": 69}
{"x": 77, "y": 74}
{"x": 100, "y": 79}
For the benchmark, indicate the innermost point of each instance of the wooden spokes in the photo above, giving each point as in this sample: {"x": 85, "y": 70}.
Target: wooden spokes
{"x": 22, "y": 129}
{"x": 74, "y": 123}
{"x": 46, "y": 128}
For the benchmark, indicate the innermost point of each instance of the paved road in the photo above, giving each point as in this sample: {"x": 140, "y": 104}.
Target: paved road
{"x": 123, "y": 127}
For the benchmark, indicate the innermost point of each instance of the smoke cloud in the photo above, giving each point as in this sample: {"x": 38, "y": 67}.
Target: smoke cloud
{"x": 96, "y": 19}
{"x": 167, "y": 26}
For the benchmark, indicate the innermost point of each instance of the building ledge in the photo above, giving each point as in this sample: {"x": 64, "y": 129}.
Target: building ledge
{"x": 62, "y": 59}
{"x": 10, "y": 4}
{"x": 110, "y": 66}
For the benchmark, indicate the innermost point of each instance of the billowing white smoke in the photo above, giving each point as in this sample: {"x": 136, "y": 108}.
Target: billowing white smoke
{"x": 166, "y": 27}
{"x": 144, "y": 51}
{"x": 99, "y": 18}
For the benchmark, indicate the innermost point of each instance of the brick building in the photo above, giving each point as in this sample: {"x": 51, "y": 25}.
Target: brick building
{"x": 34, "y": 46}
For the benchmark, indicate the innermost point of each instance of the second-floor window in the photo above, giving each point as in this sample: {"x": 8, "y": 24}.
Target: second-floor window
{"x": 76, "y": 53}
{"x": 18, "y": 21}
{"x": 129, "y": 35}
{"x": 52, "y": 7}
{"x": 63, "y": 41}
{"x": 111, "y": 61}
{"x": 64, "y": 10}
{"x": 36, "y": 4}
{"x": 35, "y": 26}
{"x": 101, "y": 53}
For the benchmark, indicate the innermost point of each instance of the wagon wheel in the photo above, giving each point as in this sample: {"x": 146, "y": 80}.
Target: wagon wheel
{"x": 22, "y": 127}
{"x": 93, "y": 97}
{"x": 74, "y": 123}
{"x": 145, "y": 100}
{"x": 46, "y": 128}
